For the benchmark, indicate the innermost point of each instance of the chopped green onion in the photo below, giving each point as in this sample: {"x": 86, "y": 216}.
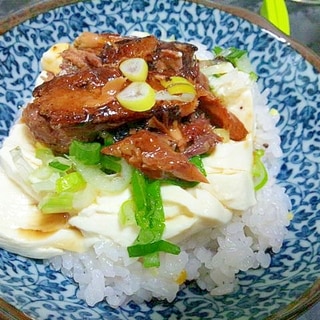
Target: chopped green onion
{"x": 86, "y": 152}
{"x": 235, "y": 55}
{"x": 239, "y": 59}
{"x": 140, "y": 250}
{"x": 57, "y": 203}
{"x": 148, "y": 235}
{"x": 110, "y": 164}
{"x": 231, "y": 54}
{"x": 127, "y": 213}
{"x": 139, "y": 193}
{"x": 259, "y": 172}
{"x": 103, "y": 182}
{"x": 155, "y": 212}
{"x": 149, "y": 216}
{"x": 58, "y": 165}
{"x": 71, "y": 182}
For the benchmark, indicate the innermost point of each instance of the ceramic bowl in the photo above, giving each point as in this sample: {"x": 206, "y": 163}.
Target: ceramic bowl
{"x": 290, "y": 73}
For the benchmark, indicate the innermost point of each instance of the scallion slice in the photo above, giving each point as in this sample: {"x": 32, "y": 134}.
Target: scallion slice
{"x": 57, "y": 203}
{"x": 238, "y": 58}
{"x": 141, "y": 250}
{"x": 87, "y": 153}
{"x": 71, "y": 182}
{"x": 259, "y": 171}
{"x": 110, "y": 164}
{"x": 60, "y": 165}
{"x": 149, "y": 216}
{"x": 127, "y": 214}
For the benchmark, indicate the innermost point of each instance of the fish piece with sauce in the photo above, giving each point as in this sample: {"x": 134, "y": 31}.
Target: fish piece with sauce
{"x": 78, "y": 102}
{"x": 151, "y": 153}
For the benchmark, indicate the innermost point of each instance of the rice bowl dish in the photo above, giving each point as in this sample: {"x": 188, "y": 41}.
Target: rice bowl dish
{"x": 198, "y": 259}
{"x": 222, "y": 226}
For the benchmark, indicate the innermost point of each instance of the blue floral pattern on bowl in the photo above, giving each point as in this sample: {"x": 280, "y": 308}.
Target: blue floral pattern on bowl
{"x": 293, "y": 84}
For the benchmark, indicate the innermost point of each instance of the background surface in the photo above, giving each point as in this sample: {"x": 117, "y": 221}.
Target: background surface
{"x": 305, "y": 28}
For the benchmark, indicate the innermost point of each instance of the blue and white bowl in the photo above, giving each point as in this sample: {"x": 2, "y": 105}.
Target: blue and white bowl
{"x": 289, "y": 71}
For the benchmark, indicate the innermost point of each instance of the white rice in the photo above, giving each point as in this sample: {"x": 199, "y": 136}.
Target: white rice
{"x": 212, "y": 258}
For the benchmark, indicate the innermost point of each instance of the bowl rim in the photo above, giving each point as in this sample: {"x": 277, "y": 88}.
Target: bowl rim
{"x": 312, "y": 295}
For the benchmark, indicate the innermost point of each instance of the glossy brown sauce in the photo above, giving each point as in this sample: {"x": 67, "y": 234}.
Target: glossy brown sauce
{"x": 45, "y": 225}
{"x": 52, "y": 222}
{"x": 72, "y": 242}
